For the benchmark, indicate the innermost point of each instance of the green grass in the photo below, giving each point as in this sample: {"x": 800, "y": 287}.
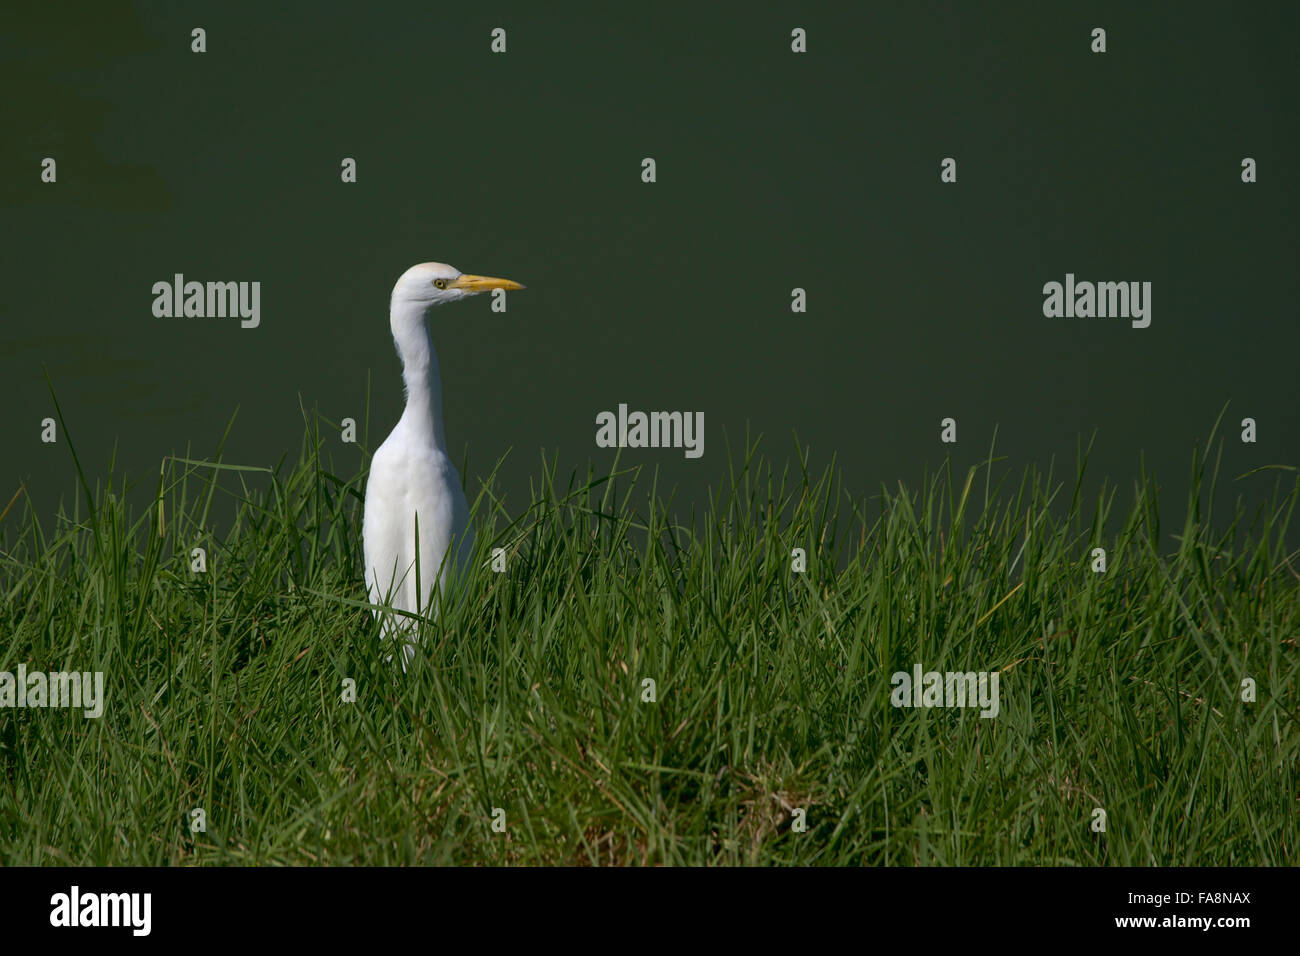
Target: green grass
{"x": 1118, "y": 690}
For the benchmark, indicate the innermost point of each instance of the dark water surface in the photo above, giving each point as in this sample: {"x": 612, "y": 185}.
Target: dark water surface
{"x": 774, "y": 171}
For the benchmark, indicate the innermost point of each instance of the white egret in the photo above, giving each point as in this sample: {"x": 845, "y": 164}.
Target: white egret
{"x": 414, "y": 493}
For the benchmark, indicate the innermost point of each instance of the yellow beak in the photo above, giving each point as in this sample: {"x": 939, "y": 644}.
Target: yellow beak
{"x": 473, "y": 284}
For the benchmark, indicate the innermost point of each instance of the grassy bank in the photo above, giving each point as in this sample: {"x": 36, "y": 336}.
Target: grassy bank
{"x": 1119, "y": 691}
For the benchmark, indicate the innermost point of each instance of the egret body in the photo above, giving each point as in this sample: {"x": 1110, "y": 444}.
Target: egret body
{"x": 415, "y": 510}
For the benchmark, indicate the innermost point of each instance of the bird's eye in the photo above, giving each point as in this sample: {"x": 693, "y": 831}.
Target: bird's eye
{"x": 440, "y": 283}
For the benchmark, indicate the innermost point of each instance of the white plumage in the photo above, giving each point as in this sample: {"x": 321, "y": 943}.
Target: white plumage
{"x": 413, "y": 485}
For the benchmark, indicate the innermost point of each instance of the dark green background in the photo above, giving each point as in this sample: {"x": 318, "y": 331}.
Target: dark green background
{"x": 775, "y": 170}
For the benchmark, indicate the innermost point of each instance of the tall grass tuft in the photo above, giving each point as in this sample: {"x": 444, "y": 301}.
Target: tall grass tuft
{"x": 1120, "y": 691}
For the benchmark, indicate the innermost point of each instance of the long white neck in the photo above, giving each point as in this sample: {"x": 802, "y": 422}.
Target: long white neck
{"x": 423, "y": 414}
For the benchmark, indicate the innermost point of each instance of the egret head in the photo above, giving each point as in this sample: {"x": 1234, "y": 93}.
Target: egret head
{"x": 436, "y": 283}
